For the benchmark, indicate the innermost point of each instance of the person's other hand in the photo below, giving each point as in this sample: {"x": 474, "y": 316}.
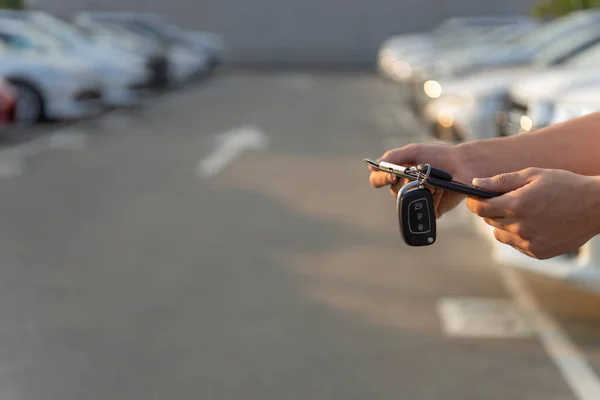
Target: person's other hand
{"x": 544, "y": 213}
{"x": 441, "y": 156}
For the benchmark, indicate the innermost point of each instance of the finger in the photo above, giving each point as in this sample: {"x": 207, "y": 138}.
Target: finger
{"x": 504, "y": 183}
{"x": 507, "y": 224}
{"x": 512, "y": 240}
{"x": 379, "y": 179}
{"x": 487, "y": 208}
{"x": 406, "y": 155}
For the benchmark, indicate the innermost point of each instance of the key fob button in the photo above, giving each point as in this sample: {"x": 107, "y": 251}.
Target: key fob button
{"x": 418, "y": 216}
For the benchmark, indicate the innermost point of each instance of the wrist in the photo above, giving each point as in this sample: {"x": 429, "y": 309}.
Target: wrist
{"x": 471, "y": 156}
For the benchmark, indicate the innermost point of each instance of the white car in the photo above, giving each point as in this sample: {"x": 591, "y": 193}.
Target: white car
{"x": 399, "y": 55}
{"x": 183, "y": 62}
{"x": 123, "y": 75}
{"x": 577, "y": 102}
{"x": 49, "y": 86}
{"x": 200, "y": 41}
{"x": 574, "y": 30}
{"x": 471, "y": 108}
{"x": 531, "y": 101}
{"x": 127, "y": 41}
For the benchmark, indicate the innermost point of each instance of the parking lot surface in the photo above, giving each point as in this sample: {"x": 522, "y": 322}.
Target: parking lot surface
{"x": 223, "y": 242}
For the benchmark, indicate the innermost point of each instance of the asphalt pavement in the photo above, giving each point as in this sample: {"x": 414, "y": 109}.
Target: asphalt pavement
{"x": 223, "y": 242}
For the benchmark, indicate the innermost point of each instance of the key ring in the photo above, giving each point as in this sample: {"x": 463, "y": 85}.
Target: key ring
{"x": 426, "y": 175}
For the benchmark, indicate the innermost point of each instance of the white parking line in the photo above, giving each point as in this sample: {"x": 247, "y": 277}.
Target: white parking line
{"x": 483, "y": 318}
{"x": 229, "y": 146}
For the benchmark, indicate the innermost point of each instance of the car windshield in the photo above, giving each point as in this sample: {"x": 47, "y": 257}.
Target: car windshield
{"x": 546, "y": 34}
{"x": 456, "y": 24}
{"x": 29, "y": 38}
{"x": 155, "y": 29}
{"x": 465, "y": 36}
{"x": 68, "y": 33}
{"x": 587, "y": 58}
{"x": 565, "y": 44}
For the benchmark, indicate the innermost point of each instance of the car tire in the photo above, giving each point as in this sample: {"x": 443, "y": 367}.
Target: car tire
{"x": 30, "y": 104}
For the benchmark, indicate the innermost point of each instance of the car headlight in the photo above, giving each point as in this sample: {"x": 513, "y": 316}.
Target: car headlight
{"x": 567, "y": 111}
{"x": 392, "y": 65}
{"x": 433, "y": 89}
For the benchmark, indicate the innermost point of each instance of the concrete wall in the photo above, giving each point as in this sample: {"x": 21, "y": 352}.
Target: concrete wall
{"x": 301, "y": 31}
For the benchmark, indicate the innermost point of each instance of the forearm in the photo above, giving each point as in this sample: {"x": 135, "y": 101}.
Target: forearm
{"x": 573, "y": 146}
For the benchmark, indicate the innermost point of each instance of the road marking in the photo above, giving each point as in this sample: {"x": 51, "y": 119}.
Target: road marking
{"x": 484, "y": 318}
{"x": 570, "y": 361}
{"x": 229, "y": 146}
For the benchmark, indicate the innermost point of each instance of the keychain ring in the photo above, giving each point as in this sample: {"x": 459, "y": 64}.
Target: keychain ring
{"x": 426, "y": 175}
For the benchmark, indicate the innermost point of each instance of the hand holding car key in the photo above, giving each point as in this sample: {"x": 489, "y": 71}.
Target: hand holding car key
{"x": 414, "y": 204}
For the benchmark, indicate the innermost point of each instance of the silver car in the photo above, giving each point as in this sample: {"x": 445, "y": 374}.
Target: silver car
{"x": 469, "y": 108}
{"x": 521, "y": 52}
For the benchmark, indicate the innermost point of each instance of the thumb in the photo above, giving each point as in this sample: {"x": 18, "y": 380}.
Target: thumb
{"x": 502, "y": 183}
{"x": 406, "y": 155}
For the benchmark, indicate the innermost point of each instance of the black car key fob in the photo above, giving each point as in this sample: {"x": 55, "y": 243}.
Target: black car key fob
{"x": 416, "y": 215}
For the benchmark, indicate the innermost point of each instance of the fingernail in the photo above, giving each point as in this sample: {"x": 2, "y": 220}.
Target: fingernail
{"x": 392, "y": 178}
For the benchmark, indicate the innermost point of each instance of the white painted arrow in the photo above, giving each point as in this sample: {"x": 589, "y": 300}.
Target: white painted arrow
{"x": 229, "y": 146}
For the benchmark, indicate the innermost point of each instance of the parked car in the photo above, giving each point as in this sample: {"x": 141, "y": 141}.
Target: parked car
{"x": 124, "y": 76}
{"x": 8, "y": 103}
{"x": 532, "y": 102}
{"x": 182, "y": 62}
{"x": 577, "y": 102}
{"x": 48, "y": 86}
{"x": 127, "y": 41}
{"x": 400, "y": 54}
{"x": 158, "y": 24}
{"x": 522, "y": 52}
{"x": 468, "y": 108}
{"x": 208, "y": 47}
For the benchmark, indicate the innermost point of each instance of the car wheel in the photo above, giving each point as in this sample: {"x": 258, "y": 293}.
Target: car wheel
{"x": 30, "y": 105}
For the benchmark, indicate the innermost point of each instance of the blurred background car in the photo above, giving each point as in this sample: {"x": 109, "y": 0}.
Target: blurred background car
{"x": 468, "y": 108}
{"x": 576, "y": 102}
{"x": 49, "y": 84}
{"x": 8, "y": 103}
{"x": 124, "y": 76}
{"x": 531, "y": 101}
{"x": 183, "y": 64}
{"x": 402, "y": 56}
{"x": 539, "y": 43}
{"x": 158, "y": 24}
{"x": 188, "y": 58}
{"x": 127, "y": 41}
